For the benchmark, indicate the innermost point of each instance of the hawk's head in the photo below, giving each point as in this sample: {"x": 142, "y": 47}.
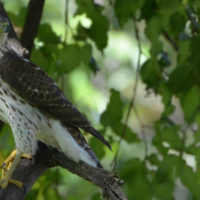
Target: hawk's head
{"x": 4, "y": 28}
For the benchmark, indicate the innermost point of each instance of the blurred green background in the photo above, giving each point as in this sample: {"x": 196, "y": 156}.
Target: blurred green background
{"x": 105, "y": 55}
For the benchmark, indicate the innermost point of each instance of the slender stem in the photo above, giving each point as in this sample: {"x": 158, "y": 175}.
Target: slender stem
{"x": 171, "y": 41}
{"x": 132, "y": 102}
{"x": 144, "y": 138}
{"x": 66, "y": 19}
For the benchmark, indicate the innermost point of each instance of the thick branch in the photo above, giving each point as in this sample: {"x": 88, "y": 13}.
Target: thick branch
{"x": 31, "y": 25}
{"x": 28, "y": 172}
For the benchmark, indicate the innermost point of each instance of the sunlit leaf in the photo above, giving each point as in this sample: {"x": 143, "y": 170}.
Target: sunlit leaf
{"x": 98, "y": 30}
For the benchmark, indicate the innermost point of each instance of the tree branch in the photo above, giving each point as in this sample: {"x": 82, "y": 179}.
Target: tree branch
{"x": 28, "y": 171}
{"x": 33, "y": 16}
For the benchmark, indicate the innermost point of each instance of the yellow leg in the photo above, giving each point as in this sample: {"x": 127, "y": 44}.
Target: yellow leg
{"x": 9, "y": 173}
{"x": 9, "y": 166}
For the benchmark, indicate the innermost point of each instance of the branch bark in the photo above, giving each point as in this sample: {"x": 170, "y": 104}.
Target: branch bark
{"x": 28, "y": 171}
{"x": 31, "y": 25}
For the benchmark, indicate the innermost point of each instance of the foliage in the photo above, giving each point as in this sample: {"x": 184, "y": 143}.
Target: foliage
{"x": 156, "y": 161}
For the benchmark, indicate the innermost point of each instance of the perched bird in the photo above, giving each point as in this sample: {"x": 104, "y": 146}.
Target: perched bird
{"x": 37, "y": 110}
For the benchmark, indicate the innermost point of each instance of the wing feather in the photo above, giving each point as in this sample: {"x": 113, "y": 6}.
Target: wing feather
{"x": 34, "y": 85}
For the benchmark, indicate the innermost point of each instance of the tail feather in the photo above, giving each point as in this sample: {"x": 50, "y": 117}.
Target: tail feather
{"x": 98, "y": 135}
{"x": 93, "y": 156}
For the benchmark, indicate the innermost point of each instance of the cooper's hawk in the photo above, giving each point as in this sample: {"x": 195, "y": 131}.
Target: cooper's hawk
{"x": 37, "y": 110}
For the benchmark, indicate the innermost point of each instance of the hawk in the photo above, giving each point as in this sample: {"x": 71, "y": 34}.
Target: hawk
{"x": 37, "y": 110}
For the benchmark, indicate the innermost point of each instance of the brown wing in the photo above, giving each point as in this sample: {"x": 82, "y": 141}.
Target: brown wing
{"x": 34, "y": 85}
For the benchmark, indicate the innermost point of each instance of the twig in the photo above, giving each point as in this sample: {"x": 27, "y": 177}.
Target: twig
{"x": 131, "y": 105}
{"x": 66, "y": 19}
{"x": 142, "y": 132}
{"x": 172, "y": 42}
{"x": 31, "y": 25}
{"x": 68, "y": 27}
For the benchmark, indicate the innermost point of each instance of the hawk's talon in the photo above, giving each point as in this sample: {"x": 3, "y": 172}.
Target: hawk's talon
{"x": 4, "y": 183}
{"x": 3, "y": 167}
{"x": 19, "y": 184}
{"x": 10, "y": 165}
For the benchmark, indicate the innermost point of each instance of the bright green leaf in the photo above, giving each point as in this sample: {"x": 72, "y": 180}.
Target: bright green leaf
{"x": 99, "y": 28}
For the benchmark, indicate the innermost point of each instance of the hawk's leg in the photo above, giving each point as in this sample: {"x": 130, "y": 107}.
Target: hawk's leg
{"x": 8, "y": 168}
{"x": 7, "y": 163}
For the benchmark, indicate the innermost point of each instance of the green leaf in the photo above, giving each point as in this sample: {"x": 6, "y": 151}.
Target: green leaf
{"x": 163, "y": 182}
{"x": 188, "y": 177}
{"x": 181, "y": 79}
{"x": 153, "y": 159}
{"x": 114, "y": 111}
{"x": 168, "y": 7}
{"x": 97, "y": 196}
{"x": 98, "y": 147}
{"x": 183, "y": 52}
{"x": 32, "y": 194}
{"x": 153, "y": 29}
{"x": 46, "y": 30}
{"x": 171, "y": 136}
{"x": 99, "y": 28}
{"x": 158, "y": 139}
{"x": 176, "y": 24}
{"x": 194, "y": 57}
{"x": 124, "y": 131}
{"x": 72, "y": 56}
{"x": 135, "y": 173}
{"x": 166, "y": 94}
{"x": 164, "y": 188}
{"x": 149, "y": 9}
{"x": 126, "y": 9}
{"x": 190, "y": 102}
{"x": 169, "y": 109}
{"x": 150, "y": 73}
